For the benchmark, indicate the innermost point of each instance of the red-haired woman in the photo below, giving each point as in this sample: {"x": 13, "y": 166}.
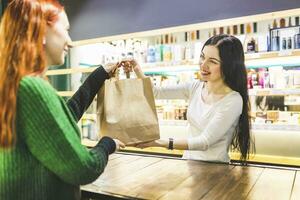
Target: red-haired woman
{"x": 41, "y": 156}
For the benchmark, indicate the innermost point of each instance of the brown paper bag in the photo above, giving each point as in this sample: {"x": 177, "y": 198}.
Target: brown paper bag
{"x": 126, "y": 110}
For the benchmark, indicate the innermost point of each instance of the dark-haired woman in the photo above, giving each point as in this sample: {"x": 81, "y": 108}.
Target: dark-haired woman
{"x": 218, "y": 104}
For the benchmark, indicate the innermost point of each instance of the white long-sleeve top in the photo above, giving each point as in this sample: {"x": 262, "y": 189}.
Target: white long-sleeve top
{"x": 210, "y": 126}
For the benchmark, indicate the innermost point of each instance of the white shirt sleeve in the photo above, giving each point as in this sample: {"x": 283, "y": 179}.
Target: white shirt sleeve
{"x": 224, "y": 118}
{"x": 179, "y": 91}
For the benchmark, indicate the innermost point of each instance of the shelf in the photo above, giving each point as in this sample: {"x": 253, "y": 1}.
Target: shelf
{"x": 252, "y": 92}
{"x": 272, "y": 54}
{"x": 255, "y": 126}
{"x": 161, "y": 69}
{"x": 274, "y": 92}
{"x": 90, "y": 116}
{"x": 70, "y": 71}
{"x": 253, "y": 60}
{"x": 276, "y": 127}
{"x": 292, "y": 103}
{"x": 88, "y": 143}
{"x": 173, "y": 122}
{"x": 288, "y": 58}
{"x": 65, "y": 93}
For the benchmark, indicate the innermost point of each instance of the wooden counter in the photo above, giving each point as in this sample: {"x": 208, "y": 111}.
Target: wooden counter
{"x": 150, "y": 177}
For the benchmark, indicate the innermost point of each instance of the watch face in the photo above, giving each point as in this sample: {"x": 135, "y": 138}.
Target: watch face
{"x": 171, "y": 141}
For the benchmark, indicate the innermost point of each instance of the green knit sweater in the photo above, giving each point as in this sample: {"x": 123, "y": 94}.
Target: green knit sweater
{"x": 48, "y": 161}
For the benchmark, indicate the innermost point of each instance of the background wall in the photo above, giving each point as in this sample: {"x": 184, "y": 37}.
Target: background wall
{"x": 97, "y": 18}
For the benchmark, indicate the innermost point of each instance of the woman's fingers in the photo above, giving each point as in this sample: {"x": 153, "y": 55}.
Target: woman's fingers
{"x": 119, "y": 144}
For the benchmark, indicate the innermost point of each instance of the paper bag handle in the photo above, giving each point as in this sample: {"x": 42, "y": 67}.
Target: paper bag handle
{"x": 115, "y": 74}
{"x": 128, "y": 75}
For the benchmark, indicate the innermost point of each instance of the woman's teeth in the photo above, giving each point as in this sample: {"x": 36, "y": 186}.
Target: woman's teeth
{"x": 205, "y": 73}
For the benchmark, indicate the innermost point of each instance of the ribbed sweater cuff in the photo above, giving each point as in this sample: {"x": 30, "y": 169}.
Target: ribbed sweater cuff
{"x": 108, "y": 144}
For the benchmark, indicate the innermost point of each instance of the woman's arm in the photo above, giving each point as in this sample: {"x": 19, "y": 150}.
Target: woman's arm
{"x": 53, "y": 138}
{"x": 178, "y": 91}
{"x": 84, "y": 96}
{"x": 180, "y": 144}
{"x": 217, "y": 127}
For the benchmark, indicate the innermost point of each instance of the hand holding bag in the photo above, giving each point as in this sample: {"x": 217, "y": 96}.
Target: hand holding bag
{"x": 126, "y": 110}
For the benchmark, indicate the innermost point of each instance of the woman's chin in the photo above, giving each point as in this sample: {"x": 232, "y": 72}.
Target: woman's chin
{"x": 204, "y": 78}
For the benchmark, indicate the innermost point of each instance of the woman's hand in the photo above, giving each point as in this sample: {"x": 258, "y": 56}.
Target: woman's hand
{"x": 130, "y": 65}
{"x": 155, "y": 143}
{"x": 119, "y": 144}
{"x": 111, "y": 67}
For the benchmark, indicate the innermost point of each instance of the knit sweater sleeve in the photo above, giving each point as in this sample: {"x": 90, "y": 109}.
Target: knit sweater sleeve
{"x": 52, "y": 135}
{"x": 84, "y": 96}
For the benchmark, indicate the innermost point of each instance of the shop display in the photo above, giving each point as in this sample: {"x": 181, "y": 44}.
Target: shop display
{"x": 272, "y": 58}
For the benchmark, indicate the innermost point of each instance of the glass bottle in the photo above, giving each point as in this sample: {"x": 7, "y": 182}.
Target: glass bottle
{"x": 221, "y": 30}
{"x": 242, "y": 29}
{"x": 254, "y": 27}
{"x": 274, "y": 24}
{"x": 296, "y": 21}
{"x": 275, "y": 42}
{"x": 228, "y": 30}
{"x": 282, "y": 23}
{"x": 297, "y": 40}
{"x": 235, "y": 30}
{"x": 290, "y": 21}
{"x": 289, "y": 43}
{"x": 214, "y": 32}
{"x": 283, "y": 43}
{"x": 248, "y": 28}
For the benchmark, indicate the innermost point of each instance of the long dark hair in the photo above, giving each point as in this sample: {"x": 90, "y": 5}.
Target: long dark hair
{"x": 234, "y": 75}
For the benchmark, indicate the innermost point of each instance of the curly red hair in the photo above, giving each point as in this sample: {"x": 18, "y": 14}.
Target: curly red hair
{"x": 22, "y": 31}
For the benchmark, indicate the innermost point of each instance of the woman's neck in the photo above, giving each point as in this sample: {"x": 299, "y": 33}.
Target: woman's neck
{"x": 217, "y": 88}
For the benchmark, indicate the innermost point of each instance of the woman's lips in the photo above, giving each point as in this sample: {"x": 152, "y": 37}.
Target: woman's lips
{"x": 204, "y": 73}
{"x": 65, "y": 51}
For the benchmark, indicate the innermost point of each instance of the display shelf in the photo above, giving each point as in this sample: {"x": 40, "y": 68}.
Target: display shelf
{"x": 173, "y": 122}
{"x": 255, "y": 126}
{"x": 276, "y": 127}
{"x": 292, "y": 103}
{"x": 157, "y": 69}
{"x": 253, "y": 60}
{"x": 73, "y": 70}
{"x": 65, "y": 93}
{"x": 272, "y": 54}
{"x": 289, "y": 58}
{"x": 274, "y": 92}
{"x": 90, "y": 116}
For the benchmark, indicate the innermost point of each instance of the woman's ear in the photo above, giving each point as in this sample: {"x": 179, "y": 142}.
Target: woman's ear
{"x": 44, "y": 40}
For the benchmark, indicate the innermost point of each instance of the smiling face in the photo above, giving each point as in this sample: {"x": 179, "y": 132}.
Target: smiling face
{"x": 57, "y": 40}
{"x": 210, "y": 64}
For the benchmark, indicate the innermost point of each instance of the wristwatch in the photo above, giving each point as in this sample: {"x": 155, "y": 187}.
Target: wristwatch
{"x": 171, "y": 143}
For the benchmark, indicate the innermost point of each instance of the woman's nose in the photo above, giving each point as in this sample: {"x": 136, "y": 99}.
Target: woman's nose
{"x": 203, "y": 65}
{"x": 69, "y": 42}
{"x": 70, "y": 45}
